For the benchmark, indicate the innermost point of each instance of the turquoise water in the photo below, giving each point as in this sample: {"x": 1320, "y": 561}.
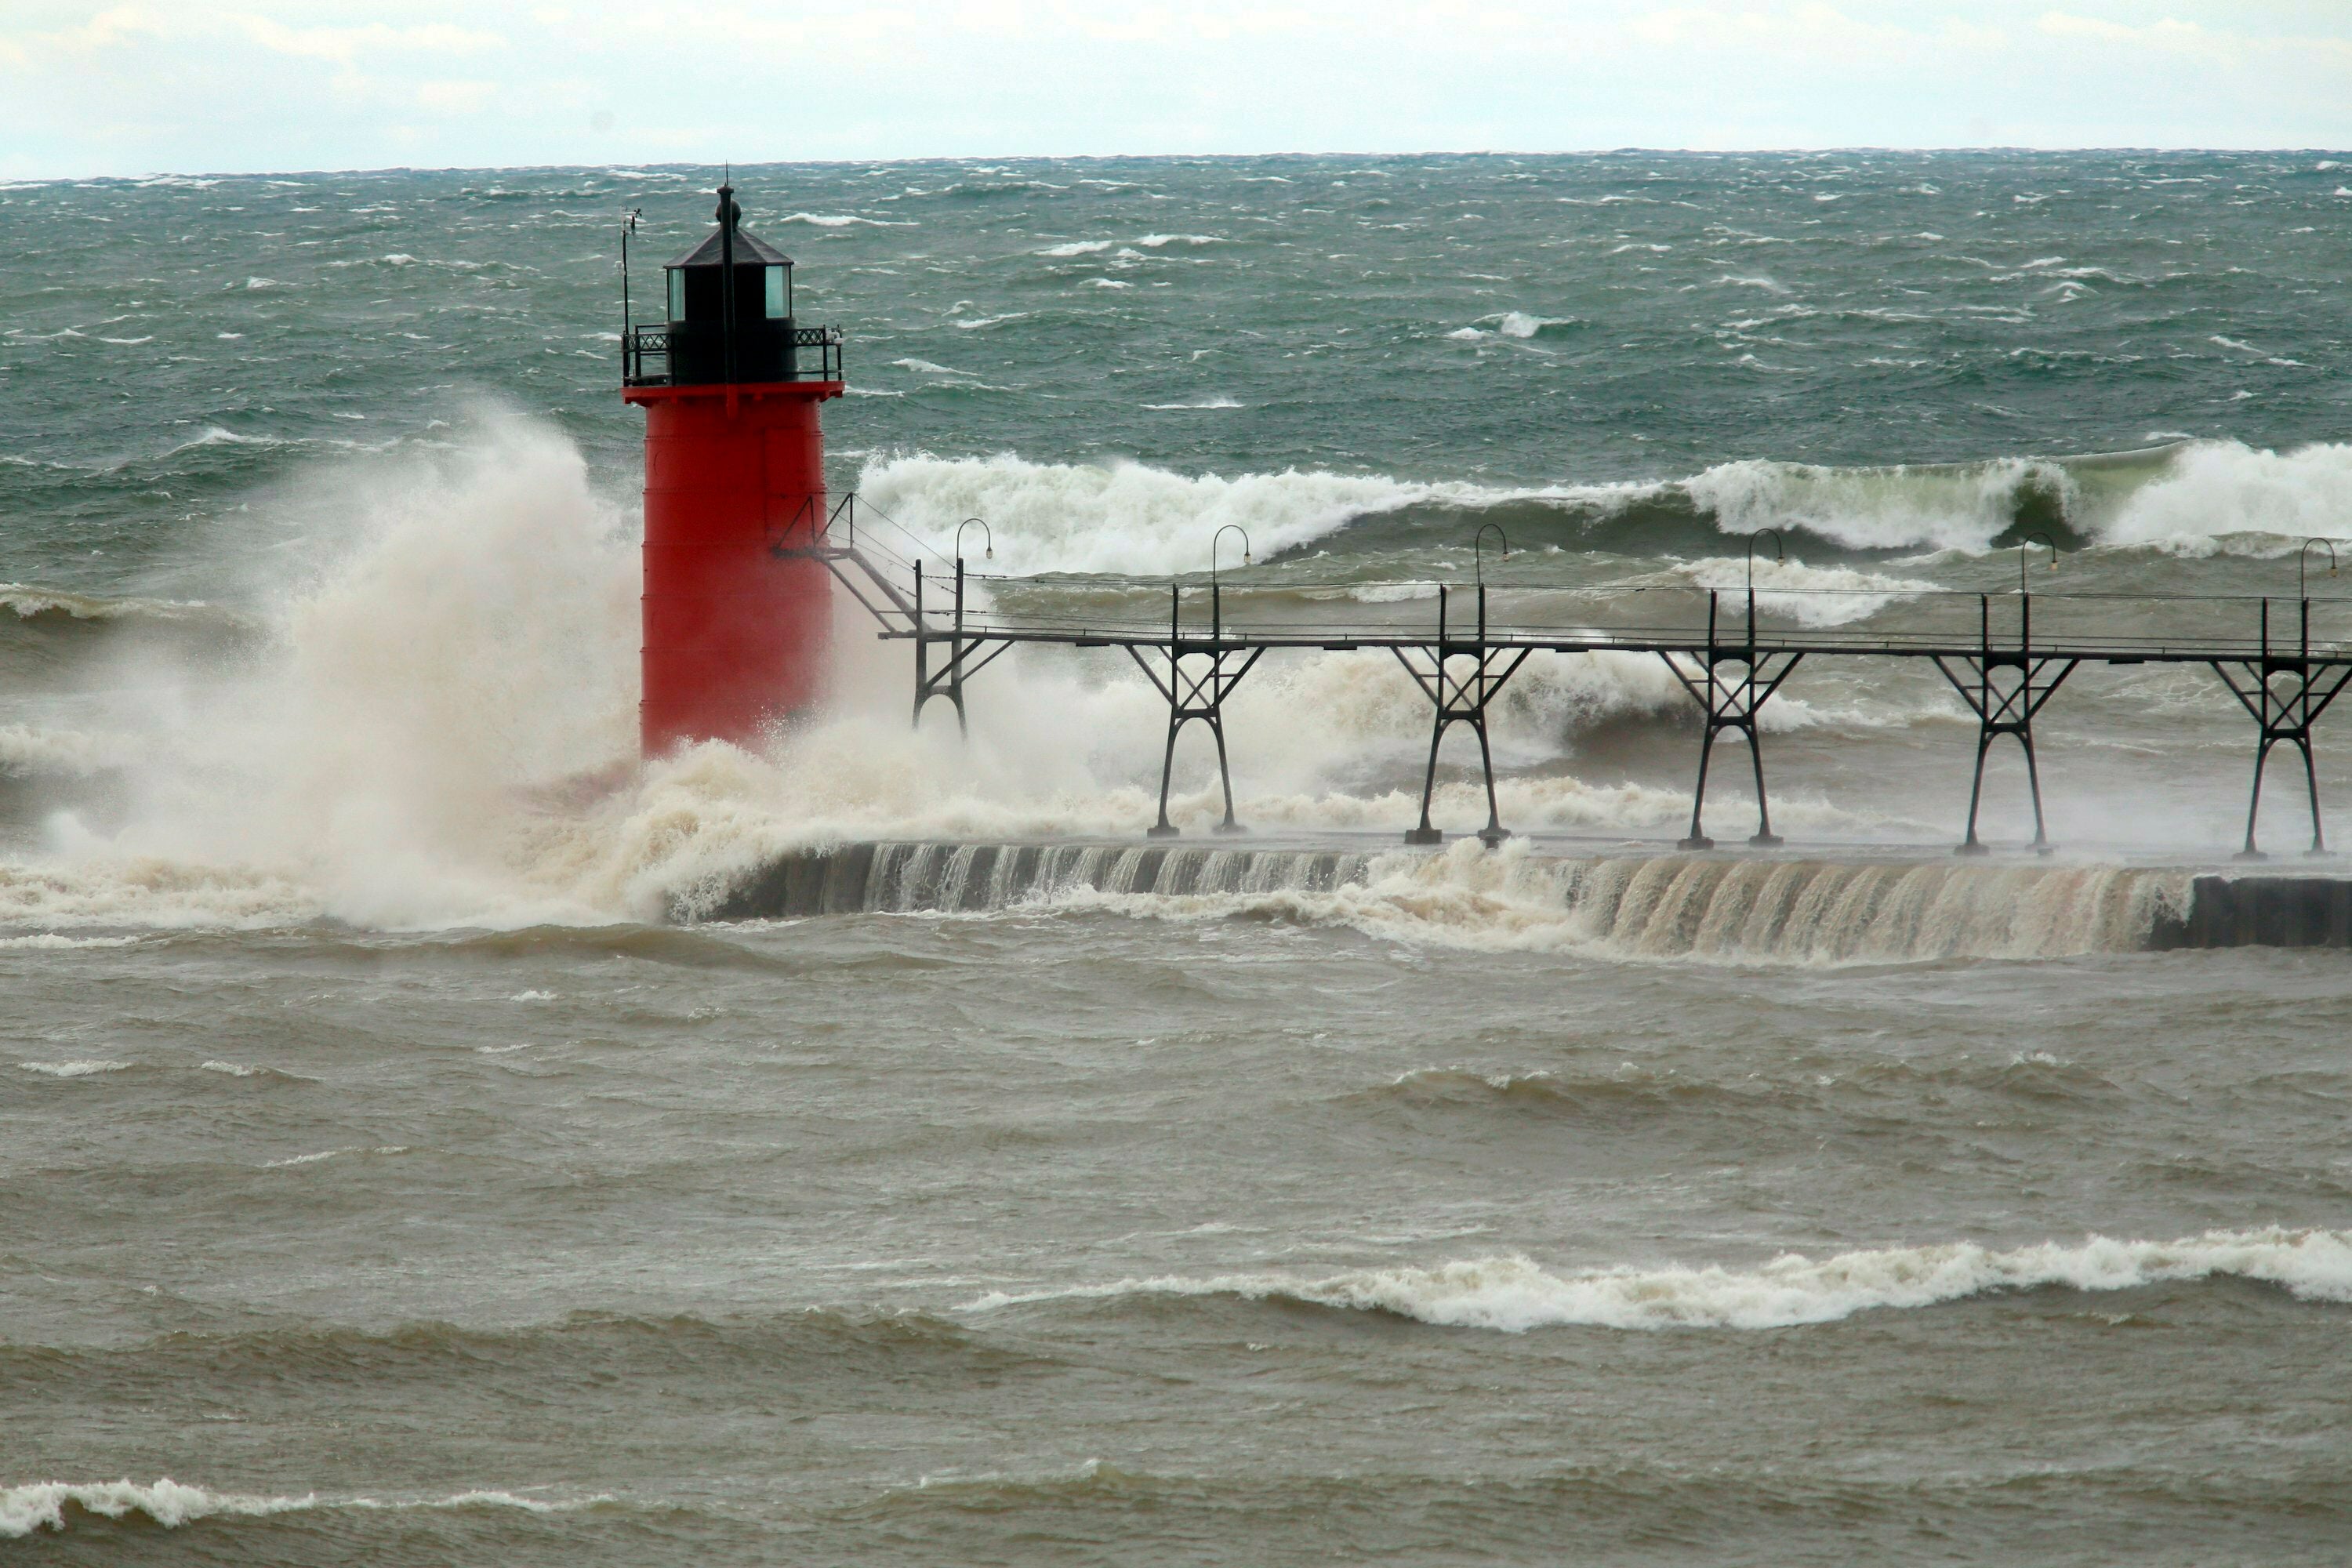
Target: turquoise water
{"x": 1509, "y": 323}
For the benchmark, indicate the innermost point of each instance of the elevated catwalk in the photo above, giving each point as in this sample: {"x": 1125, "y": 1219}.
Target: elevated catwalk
{"x": 1825, "y": 902}
{"x": 2283, "y": 662}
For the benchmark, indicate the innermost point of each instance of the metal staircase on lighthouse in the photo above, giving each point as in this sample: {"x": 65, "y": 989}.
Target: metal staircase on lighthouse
{"x": 738, "y": 598}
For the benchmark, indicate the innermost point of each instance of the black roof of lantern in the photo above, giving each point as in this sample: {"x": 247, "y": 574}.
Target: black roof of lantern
{"x": 751, "y": 251}
{"x": 725, "y": 330}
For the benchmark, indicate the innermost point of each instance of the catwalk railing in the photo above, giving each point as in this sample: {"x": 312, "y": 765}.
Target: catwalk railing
{"x": 2006, "y": 653}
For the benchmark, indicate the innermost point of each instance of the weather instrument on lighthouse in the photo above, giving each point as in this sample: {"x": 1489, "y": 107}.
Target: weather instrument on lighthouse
{"x": 737, "y": 613}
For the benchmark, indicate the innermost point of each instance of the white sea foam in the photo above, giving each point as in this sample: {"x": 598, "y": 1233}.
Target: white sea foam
{"x": 1514, "y": 1294}
{"x": 332, "y": 1154}
{"x": 1076, "y": 247}
{"x": 85, "y": 1067}
{"x": 1880, "y": 509}
{"x": 43, "y": 1505}
{"x": 1810, "y": 595}
{"x": 1392, "y": 593}
{"x": 2202, "y": 495}
{"x": 2214, "y": 489}
{"x": 844, "y": 220}
{"x": 27, "y": 600}
{"x": 1520, "y": 325}
{"x": 1132, "y": 518}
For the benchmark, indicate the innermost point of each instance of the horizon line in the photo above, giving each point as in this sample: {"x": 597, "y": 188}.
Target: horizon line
{"x": 20, "y": 181}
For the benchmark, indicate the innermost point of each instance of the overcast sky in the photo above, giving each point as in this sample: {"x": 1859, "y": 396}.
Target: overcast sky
{"x": 267, "y": 85}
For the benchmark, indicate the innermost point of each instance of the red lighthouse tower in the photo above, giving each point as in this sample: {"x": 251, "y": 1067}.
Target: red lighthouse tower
{"x": 737, "y": 614}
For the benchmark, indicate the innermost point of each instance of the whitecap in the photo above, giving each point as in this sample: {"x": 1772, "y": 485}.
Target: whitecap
{"x": 1514, "y": 1294}
{"x": 43, "y": 1505}
{"x": 846, "y": 220}
{"x": 332, "y": 1154}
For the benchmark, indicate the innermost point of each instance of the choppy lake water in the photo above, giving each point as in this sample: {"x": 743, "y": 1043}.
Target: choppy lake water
{"x": 384, "y": 1176}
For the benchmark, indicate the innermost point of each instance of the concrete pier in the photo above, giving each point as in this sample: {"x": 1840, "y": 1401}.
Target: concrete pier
{"x": 2151, "y": 905}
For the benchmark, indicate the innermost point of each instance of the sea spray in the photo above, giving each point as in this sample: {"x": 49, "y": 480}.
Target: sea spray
{"x": 456, "y": 633}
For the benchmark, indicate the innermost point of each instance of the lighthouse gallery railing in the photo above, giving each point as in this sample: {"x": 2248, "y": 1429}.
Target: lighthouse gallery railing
{"x": 646, "y": 355}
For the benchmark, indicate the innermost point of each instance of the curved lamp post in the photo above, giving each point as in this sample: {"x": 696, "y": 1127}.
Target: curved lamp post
{"x": 987, "y": 534}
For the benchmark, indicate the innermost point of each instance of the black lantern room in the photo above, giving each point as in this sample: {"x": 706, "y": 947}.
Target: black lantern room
{"x": 738, "y": 333}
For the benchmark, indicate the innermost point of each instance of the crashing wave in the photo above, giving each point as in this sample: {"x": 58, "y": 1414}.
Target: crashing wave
{"x": 1135, "y": 519}
{"x": 52, "y": 1505}
{"x": 1514, "y": 1294}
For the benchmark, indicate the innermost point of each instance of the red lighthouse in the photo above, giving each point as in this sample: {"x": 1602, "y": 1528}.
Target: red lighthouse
{"x": 737, "y": 614}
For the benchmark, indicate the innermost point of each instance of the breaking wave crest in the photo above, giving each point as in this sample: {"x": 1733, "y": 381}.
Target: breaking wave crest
{"x": 52, "y": 1505}
{"x": 1514, "y": 1294}
{"x": 1132, "y": 518}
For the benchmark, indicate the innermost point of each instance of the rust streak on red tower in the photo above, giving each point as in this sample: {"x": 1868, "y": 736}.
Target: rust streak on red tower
{"x": 737, "y": 618}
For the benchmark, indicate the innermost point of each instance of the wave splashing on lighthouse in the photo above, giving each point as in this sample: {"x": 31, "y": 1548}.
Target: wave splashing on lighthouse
{"x": 441, "y": 637}
{"x": 429, "y": 720}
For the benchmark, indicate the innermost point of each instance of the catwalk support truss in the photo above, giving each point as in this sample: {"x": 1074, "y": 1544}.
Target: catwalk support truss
{"x": 2005, "y": 688}
{"x": 2286, "y": 692}
{"x": 1194, "y": 691}
{"x": 1461, "y": 677}
{"x": 1731, "y": 683}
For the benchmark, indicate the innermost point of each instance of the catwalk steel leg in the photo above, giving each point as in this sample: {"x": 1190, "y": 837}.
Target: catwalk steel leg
{"x": 2005, "y": 708}
{"x": 2282, "y": 715}
{"x": 1460, "y": 698}
{"x": 1728, "y": 701}
{"x": 1196, "y": 692}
